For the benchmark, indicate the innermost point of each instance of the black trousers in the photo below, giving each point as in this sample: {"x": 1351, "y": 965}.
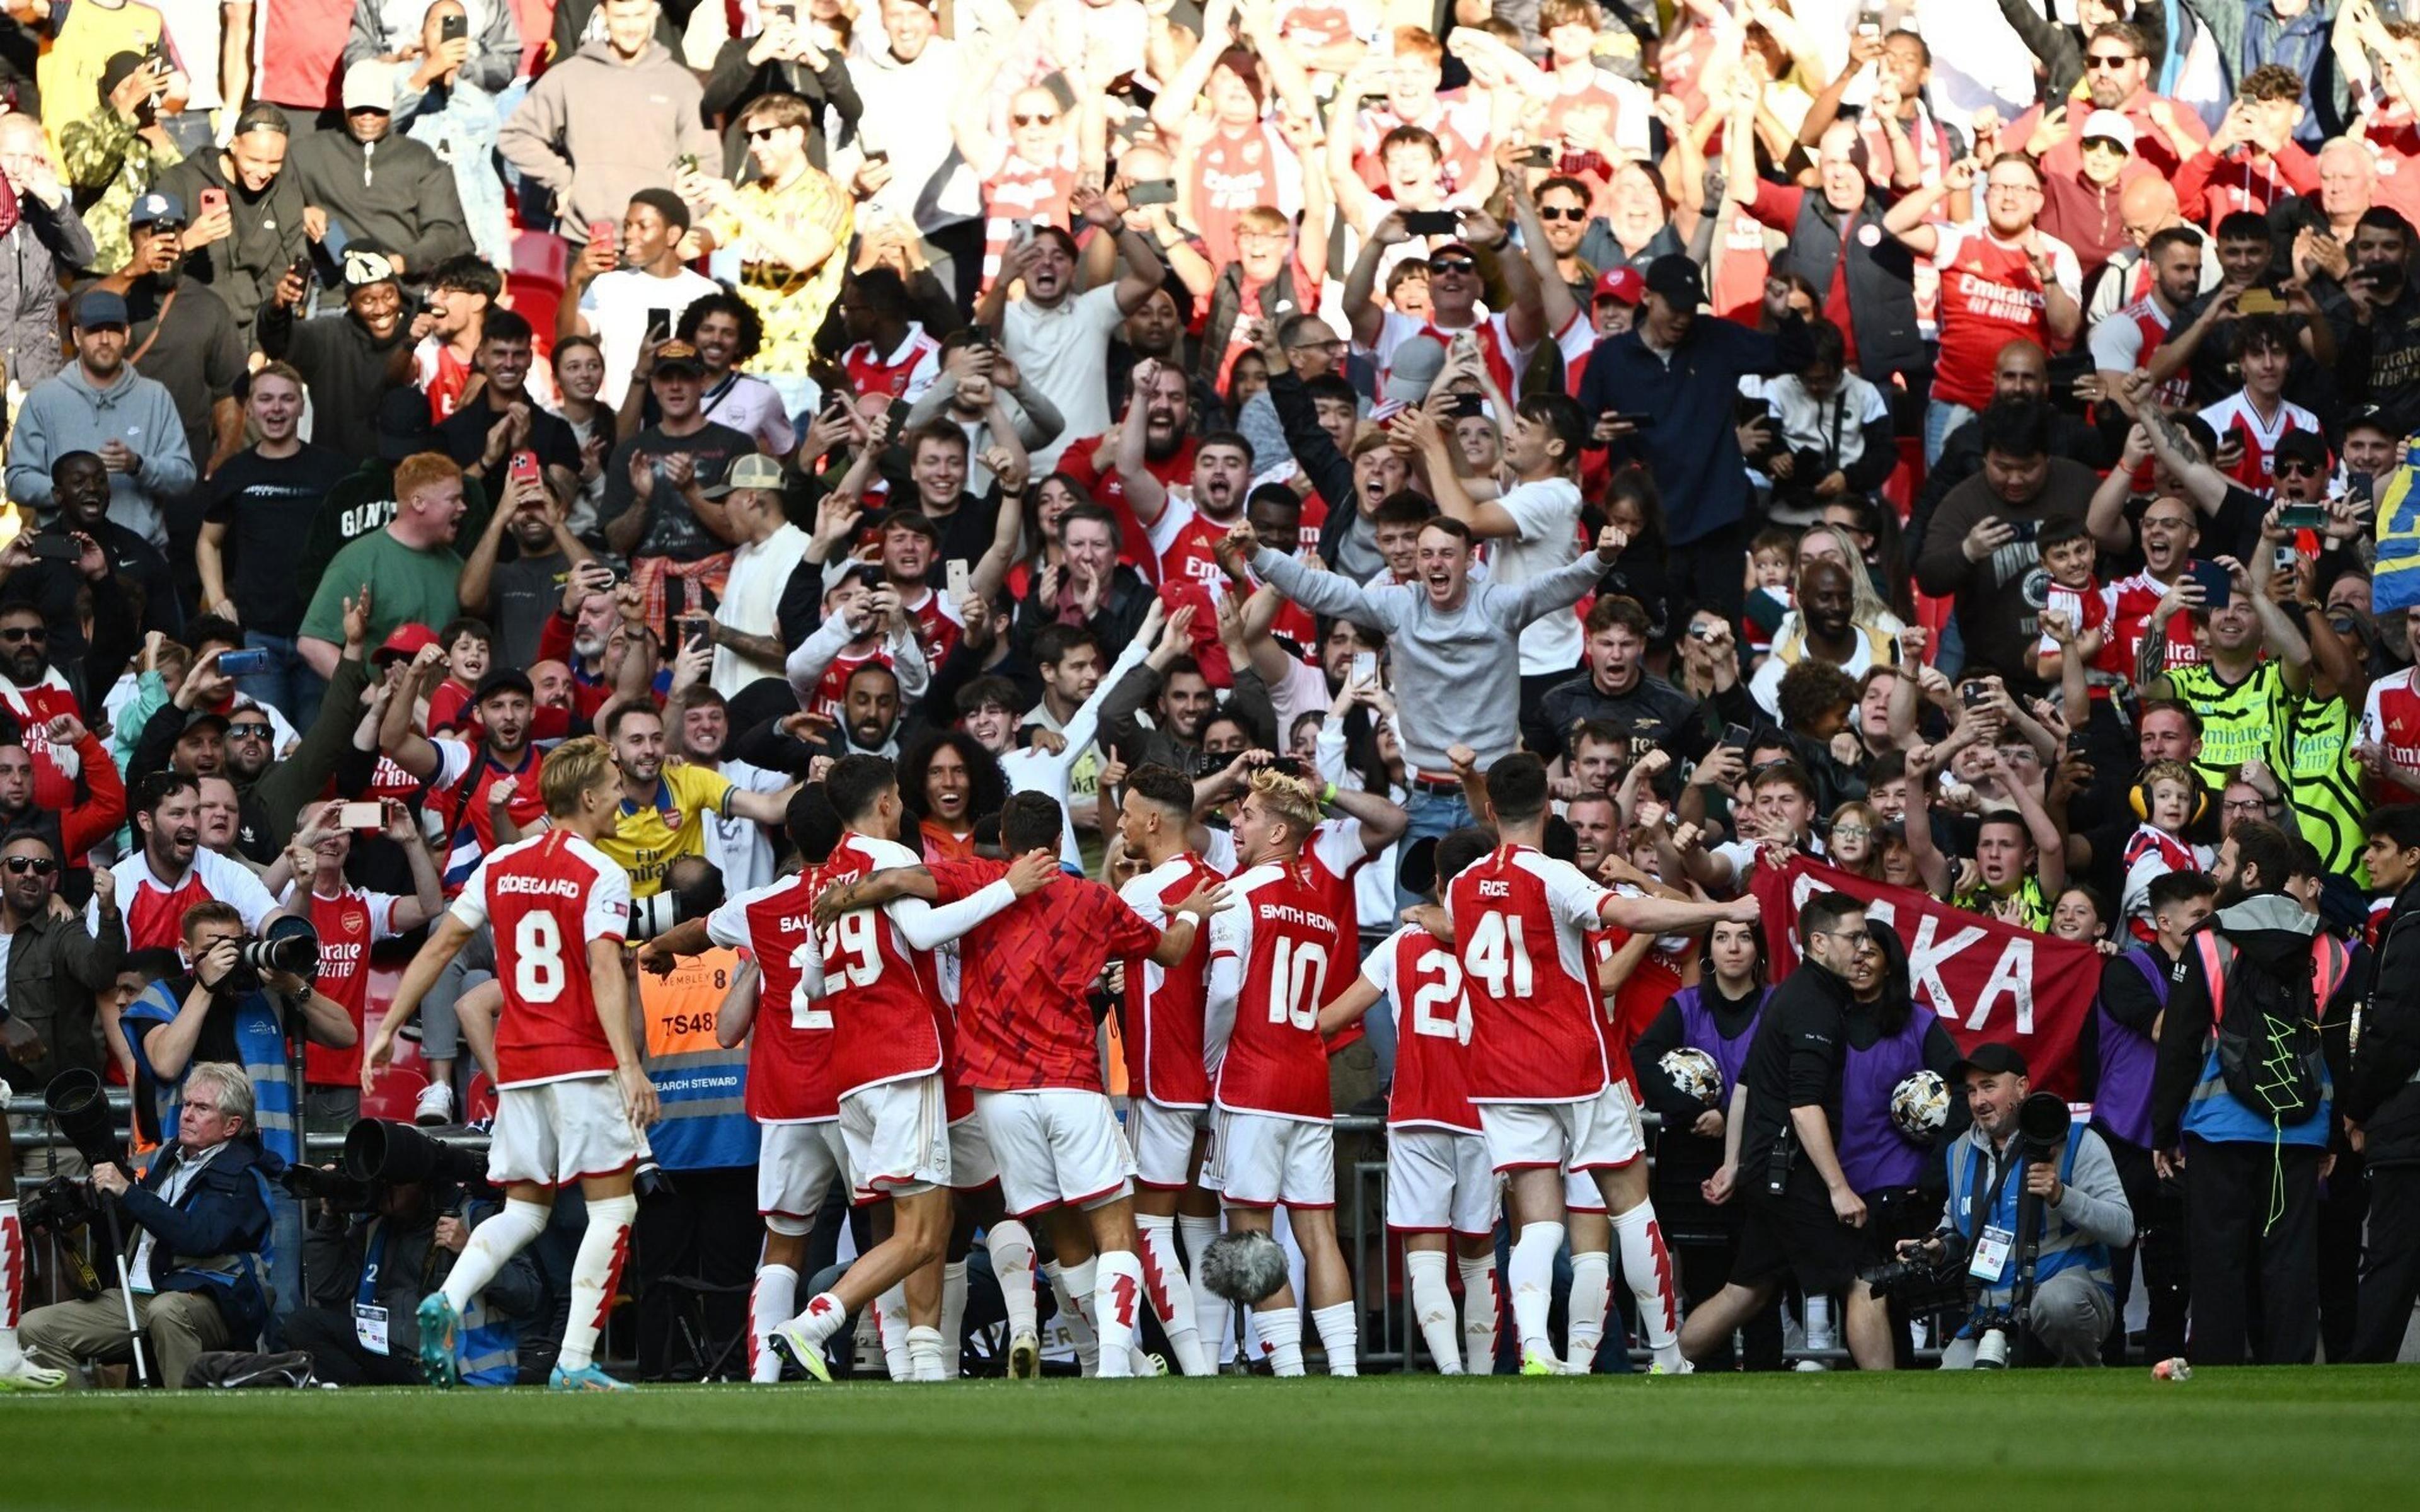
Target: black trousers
{"x": 706, "y": 1232}
{"x": 1708, "y": 572}
{"x": 2159, "y": 1241}
{"x": 1705, "y": 1239}
{"x": 2390, "y": 1265}
{"x": 2237, "y": 1251}
{"x": 336, "y": 1352}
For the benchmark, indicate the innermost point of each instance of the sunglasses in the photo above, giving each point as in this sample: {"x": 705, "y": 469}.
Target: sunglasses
{"x": 1576, "y": 213}
{"x": 25, "y": 632}
{"x": 249, "y": 730}
{"x": 765, "y": 134}
{"x": 1034, "y": 120}
{"x": 1452, "y": 265}
{"x": 2297, "y": 467}
{"x": 2106, "y": 60}
{"x": 41, "y": 866}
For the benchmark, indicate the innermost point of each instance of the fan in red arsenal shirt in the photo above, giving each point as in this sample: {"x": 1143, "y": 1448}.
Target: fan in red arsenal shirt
{"x": 1165, "y": 400}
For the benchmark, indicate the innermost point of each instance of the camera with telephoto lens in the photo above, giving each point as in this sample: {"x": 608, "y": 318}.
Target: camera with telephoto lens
{"x": 1994, "y": 1328}
{"x": 61, "y": 1205}
{"x": 381, "y": 1152}
{"x": 335, "y": 1188}
{"x": 692, "y": 889}
{"x": 288, "y": 945}
{"x": 2042, "y": 1120}
{"x": 1920, "y": 1269}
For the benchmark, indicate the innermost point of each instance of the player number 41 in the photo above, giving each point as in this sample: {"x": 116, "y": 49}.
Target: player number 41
{"x": 1497, "y": 956}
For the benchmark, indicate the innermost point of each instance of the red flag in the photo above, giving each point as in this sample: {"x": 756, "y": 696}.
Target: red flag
{"x": 1986, "y": 980}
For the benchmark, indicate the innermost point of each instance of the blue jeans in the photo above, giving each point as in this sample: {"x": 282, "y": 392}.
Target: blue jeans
{"x": 1435, "y": 813}
{"x": 1940, "y": 418}
{"x": 288, "y": 685}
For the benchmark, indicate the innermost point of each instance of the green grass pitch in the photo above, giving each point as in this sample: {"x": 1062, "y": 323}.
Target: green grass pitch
{"x": 2301, "y": 1439}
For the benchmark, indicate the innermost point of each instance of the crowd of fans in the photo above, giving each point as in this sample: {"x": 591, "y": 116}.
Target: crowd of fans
{"x": 1980, "y": 407}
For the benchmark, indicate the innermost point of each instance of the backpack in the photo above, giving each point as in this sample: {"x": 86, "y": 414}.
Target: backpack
{"x": 2267, "y": 1031}
{"x": 236, "y": 1371}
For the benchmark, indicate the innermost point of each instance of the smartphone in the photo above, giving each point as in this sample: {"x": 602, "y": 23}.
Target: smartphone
{"x": 1468, "y": 405}
{"x": 1636, "y": 422}
{"x": 523, "y": 468}
{"x": 979, "y": 336}
{"x": 958, "y": 576}
{"x": 243, "y": 663}
{"x": 451, "y": 27}
{"x": 1737, "y": 737}
{"x": 2078, "y": 743}
{"x": 1973, "y": 695}
{"x": 1019, "y": 232}
{"x": 1536, "y": 157}
{"x": 685, "y": 163}
{"x": 602, "y": 231}
{"x": 54, "y": 548}
{"x": 659, "y": 317}
{"x": 2303, "y": 516}
{"x": 1432, "y": 223}
{"x": 2217, "y": 589}
{"x": 2024, "y": 529}
{"x": 2286, "y": 558}
{"x": 2358, "y": 486}
{"x": 361, "y": 816}
{"x": 2257, "y": 301}
{"x": 212, "y": 201}
{"x": 1153, "y": 192}
{"x": 1365, "y": 667}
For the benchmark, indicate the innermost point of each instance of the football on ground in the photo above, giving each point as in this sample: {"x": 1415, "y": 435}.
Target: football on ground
{"x": 2302, "y": 1438}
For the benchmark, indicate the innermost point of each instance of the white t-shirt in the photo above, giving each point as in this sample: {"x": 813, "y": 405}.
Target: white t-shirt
{"x": 616, "y": 305}
{"x": 1548, "y": 513}
{"x": 1065, "y": 351}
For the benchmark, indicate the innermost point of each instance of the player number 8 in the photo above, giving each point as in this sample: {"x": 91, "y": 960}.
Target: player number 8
{"x": 539, "y": 975}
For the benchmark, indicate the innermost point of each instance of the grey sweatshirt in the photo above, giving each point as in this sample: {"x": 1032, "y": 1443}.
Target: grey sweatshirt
{"x": 1457, "y": 673}
{"x": 67, "y": 415}
{"x": 595, "y": 131}
{"x": 2094, "y": 1201}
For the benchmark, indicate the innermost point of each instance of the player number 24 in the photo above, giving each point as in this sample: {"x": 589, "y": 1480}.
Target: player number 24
{"x": 805, "y": 1014}
{"x": 1497, "y": 956}
{"x": 1294, "y": 978}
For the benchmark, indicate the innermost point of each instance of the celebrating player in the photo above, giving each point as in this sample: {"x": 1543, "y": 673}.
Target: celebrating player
{"x": 1541, "y": 1072}
{"x": 572, "y": 1096}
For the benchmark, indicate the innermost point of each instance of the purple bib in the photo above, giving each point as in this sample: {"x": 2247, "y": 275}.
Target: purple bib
{"x": 1699, "y": 1032}
{"x": 1875, "y": 1155}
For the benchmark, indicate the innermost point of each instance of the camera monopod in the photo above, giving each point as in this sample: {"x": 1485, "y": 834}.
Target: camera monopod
{"x": 79, "y": 1108}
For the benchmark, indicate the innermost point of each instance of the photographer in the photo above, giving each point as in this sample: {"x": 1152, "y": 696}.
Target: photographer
{"x": 202, "y": 1212}
{"x": 223, "y": 1010}
{"x": 2083, "y": 1216}
{"x": 54, "y": 966}
{"x": 370, "y": 1267}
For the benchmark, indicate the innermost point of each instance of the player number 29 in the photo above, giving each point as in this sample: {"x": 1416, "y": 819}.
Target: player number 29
{"x": 539, "y": 975}
{"x": 1294, "y": 978}
{"x": 1497, "y": 956}
{"x": 850, "y": 949}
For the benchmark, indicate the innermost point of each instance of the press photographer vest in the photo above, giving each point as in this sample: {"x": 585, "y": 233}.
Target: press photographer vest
{"x": 2064, "y": 1246}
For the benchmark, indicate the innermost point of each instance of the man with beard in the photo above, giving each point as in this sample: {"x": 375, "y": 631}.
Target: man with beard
{"x": 412, "y": 561}
{"x": 347, "y": 360}
{"x": 664, "y": 806}
{"x": 1619, "y": 690}
{"x": 1166, "y": 400}
{"x": 1062, "y": 337}
{"x": 36, "y": 696}
{"x": 984, "y": 394}
{"x": 518, "y": 598}
{"x": 119, "y": 574}
{"x": 864, "y": 625}
{"x": 736, "y": 844}
{"x": 1505, "y": 339}
{"x": 2258, "y": 665}
{"x": 243, "y": 250}
{"x": 169, "y": 872}
{"x": 188, "y": 343}
{"x": 2250, "y": 1141}
{"x": 1183, "y": 703}
{"x": 2379, "y": 357}
{"x": 269, "y": 790}
{"x": 2117, "y": 77}
{"x": 99, "y": 404}
{"x": 2125, "y": 341}
{"x": 503, "y": 420}
{"x": 87, "y": 820}
{"x": 1822, "y": 629}
{"x": 1183, "y": 531}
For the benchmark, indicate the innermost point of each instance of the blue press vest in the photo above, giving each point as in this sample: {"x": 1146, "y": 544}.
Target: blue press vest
{"x": 2064, "y": 1246}
{"x": 488, "y": 1354}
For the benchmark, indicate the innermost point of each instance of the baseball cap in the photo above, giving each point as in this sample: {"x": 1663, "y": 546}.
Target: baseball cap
{"x": 200, "y": 718}
{"x": 369, "y": 85}
{"x": 754, "y": 471}
{"x": 1622, "y": 284}
{"x": 2306, "y": 445}
{"x": 1993, "y": 1059}
{"x": 2108, "y": 126}
{"x": 99, "y": 307}
{"x": 503, "y": 680}
{"x": 405, "y": 643}
{"x": 154, "y": 208}
{"x": 679, "y": 354}
{"x": 1411, "y": 370}
{"x": 1676, "y": 279}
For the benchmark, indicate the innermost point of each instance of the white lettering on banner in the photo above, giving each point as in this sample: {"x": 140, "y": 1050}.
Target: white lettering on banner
{"x": 2012, "y": 970}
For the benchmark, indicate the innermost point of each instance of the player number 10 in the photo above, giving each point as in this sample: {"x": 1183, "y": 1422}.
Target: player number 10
{"x": 1294, "y": 978}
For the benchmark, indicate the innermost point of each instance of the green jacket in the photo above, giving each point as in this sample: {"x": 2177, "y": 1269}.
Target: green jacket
{"x": 111, "y": 164}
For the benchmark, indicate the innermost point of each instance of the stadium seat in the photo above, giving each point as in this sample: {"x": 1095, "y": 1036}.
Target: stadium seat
{"x": 393, "y": 1094}
{"x": 481, "y": 1103}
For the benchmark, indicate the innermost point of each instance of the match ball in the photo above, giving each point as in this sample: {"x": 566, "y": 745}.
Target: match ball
{"x": 1242, "y": 1266}
{"x": 1695, "y": 1074}
{"x": 1920, "y": 1107}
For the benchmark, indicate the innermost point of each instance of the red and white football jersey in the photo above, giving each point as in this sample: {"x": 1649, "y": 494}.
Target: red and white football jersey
{"x": 1990, "y": 297}
{"x": 2260, "y": 436}
{"x": 547, "y": 897}
{"x": 1161, "y": 1027}
{"x": 34, "y": 707}
{"x": 831, "y": 693}
{"x": 2391, "y": 717}
{"x": 903, "y": 373}
{"x": 789, "y": 1046}
{"x": 1537, "y": 1027}
{"x": 1236, "y": 171}
{"x": 1422, "y": 985}
{"x": 1641, "y": 997}
{"x": 2087, "y": 609}
{"x": 2130, "y": 601}
{"x": 155, "y": 910}
{"x": 349, "y": 924}
{"x": 2126, "y": 340}
{"x": 1183, "y": 543}
{"x": 1505, "y": 358}
{"x": 885, "y": 1000}
{"x": 1279, "y": 934}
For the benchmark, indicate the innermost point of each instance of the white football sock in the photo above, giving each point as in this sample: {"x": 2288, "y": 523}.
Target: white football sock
{"x": 1336, "y": 1336}
{"x": 927, "y": 1355}
{"x": 1117, "y": 1306}
{"x": 773, "y": 1300}
{"x": 1481, "y": 1310}
{"x": 1011, "y": 1245}
{"x": 595, "y": 1270}
{"x": 1214, "y": 1315}
{"x": 491, "y": 1244}
{"x": 1079, "y": 1328}
{"x": 953, "y": 1313}
{"x": 823, "y": 1316}
{"x": 1280, "y": 1332}
{"x": 1647, "y": 1269}
{"x": 1592, "y": 1294}
{"x": 1533, "y": 1283}
{"x": 1171, "y": 1293}
{"x": 891, "y": 1321}
{"x": 1819, "y": 1333}
{"x": 1432, "y": 1308}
